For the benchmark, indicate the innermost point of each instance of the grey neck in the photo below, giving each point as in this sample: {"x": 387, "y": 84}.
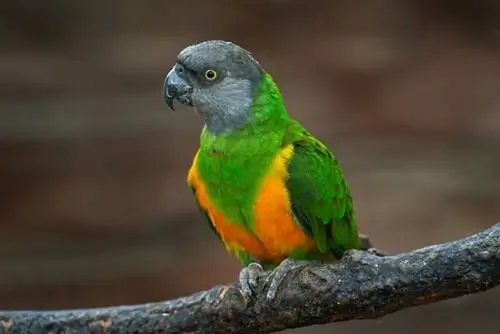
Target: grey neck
{"x": 218, "y": 124}
{"x": 228, "y": 108}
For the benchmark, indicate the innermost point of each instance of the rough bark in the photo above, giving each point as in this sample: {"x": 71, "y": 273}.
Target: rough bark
{"x": 361, "y": 286}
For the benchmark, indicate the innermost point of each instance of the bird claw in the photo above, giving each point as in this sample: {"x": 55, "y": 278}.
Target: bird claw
{"x": 249, "y": 278}
{"x": 276, "y": 278}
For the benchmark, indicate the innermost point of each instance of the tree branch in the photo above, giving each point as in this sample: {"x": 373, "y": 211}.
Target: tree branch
{"x": 361, "y": 286}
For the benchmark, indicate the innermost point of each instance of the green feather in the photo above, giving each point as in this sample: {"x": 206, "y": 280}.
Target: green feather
{"x": 319, "y": 194}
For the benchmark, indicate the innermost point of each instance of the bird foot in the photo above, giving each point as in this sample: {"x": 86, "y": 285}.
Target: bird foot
{"x": 249, "y": 278}
{"x": 251, "y": 275}
{"x": 276, "y": 278}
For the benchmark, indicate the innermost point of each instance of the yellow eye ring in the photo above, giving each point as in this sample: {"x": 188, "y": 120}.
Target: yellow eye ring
{"x": 211, "y": 75}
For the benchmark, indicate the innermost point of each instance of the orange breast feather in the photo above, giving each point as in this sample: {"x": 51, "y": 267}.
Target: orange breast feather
{"x": 274, "y": 223}
{"x": 276, "y": 233}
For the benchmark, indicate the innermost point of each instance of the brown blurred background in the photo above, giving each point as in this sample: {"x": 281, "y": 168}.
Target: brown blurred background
{"x": 93, "y": 202}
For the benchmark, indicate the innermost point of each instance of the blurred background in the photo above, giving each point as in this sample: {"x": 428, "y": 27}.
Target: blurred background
{"x": 94, "y": 208}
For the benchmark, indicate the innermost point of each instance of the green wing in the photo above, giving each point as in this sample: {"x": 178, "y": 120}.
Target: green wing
{"x": 320, "y": 198}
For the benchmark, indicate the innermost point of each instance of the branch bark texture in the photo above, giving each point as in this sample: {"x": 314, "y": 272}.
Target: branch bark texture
{"x": 361, "y": 286}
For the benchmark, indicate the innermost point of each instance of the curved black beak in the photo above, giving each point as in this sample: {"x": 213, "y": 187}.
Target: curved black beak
{"x": 175, "y": 87}
{"x": 169, "y": 99}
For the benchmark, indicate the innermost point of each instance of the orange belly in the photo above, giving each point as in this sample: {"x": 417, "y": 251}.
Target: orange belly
{"x": 276, "y": 234}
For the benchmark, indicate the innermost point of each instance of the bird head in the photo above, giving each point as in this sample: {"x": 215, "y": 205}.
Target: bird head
{"x": 217, "y": 78}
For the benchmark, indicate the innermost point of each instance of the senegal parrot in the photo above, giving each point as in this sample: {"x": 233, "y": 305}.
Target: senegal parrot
{"x": 273, "y": 193}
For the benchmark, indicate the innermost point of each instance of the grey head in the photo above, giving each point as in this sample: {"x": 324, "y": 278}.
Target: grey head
{"x": 219, "y": 79}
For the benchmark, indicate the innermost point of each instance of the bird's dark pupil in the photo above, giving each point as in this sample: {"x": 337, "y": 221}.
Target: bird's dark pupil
{"x": 210, "y": 74}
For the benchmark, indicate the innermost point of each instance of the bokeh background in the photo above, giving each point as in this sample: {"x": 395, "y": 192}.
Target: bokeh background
{"x": 94, "y": 209}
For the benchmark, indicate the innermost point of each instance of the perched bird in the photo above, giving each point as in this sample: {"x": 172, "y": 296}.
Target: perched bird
{"x": 272, "y": 192}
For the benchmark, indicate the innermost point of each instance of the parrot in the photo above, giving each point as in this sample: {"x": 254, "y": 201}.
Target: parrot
{"x": 273, "y": 193}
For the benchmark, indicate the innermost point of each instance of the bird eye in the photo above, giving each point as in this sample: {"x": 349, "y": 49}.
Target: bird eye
{"x": 210, "y": 75}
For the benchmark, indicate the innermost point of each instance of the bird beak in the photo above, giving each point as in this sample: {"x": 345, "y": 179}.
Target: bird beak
{"x": 175, "y": 87}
